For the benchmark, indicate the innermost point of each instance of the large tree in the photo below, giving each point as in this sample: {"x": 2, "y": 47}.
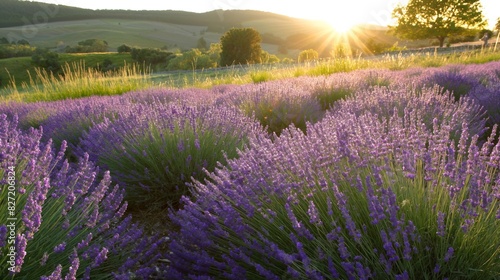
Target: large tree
{"x": 425, "y": 19}
{"x": 240, "y": 46}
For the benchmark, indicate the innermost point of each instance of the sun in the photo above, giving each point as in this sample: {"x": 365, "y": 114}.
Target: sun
{"x": 341, "y": 23}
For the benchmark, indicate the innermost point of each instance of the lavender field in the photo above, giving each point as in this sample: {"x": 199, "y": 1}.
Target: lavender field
{"x": 372, "y": 174}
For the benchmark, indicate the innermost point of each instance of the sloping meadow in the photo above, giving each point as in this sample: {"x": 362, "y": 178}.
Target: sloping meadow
{"x": 372, "y": 174}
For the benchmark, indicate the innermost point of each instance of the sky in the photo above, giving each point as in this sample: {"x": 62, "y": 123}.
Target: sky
{"x": 340, "y": 13}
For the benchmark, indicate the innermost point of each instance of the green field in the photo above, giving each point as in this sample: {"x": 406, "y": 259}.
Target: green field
{"x": 20, "y": 67}
{"x": 116, "y": 32}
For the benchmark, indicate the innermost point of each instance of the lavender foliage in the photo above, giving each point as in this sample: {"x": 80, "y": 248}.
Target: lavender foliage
{"x": 388, "y": 181}
{"x": 389, "y": 196}
{"x": 155, "y": 150}
{"x": 66, "y": 221}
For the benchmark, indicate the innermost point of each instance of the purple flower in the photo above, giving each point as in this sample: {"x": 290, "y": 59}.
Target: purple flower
{"x": 74, "y": 193}
{"x": 3, "y": 235}
{"x": 441, "y": 224}
{"x": 100, "y": 258}
{"x": 449, "y": 254}
{"x": 60, "y": 248}
{"x": 437, "y": 269}
{"x": 389, "y": 248}
{"x": 21, "y": 243}
{"x": 73, "y": 269}
{"x": 403, "y": 276}
{"x": 331, "y": 268}
{"x": 313, "y": 213}
{"x": 56, "y": 275}
{"x": 85, "y": 242}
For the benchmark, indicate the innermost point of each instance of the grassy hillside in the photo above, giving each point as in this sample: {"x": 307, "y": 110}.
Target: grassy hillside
{"x": 64, "y": 26}
{"x": 116, "y": 32}
{"x": 18, "y": 67}
{"x": 17, "y": 13}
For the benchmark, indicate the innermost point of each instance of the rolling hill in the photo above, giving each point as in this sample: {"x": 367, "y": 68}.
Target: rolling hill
{"x": 57, "y": 26}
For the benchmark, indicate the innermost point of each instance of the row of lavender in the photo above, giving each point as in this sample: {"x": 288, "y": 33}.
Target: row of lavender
{"x": 383, "y": 177}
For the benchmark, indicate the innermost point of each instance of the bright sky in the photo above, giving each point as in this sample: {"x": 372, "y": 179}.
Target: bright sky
{"x": 340, "y": 13}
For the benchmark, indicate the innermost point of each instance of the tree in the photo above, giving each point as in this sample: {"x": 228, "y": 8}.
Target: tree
{"x": 307, "y": 55}
{"x": 497, "y": 25}
{"x": 424, "y": 19}
{"x": 124, "y": 49}
{"x": 46, "y": 59}
{"x": 89, "y": 45}
{"x": 240, "y": 46}
{"x": 202, "y": 44}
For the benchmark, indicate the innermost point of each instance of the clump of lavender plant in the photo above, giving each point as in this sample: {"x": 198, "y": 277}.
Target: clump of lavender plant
{"x": 357, "y": 197}
{"x": 154, "y": 151}
{"x": 489, "y": 98}
{"x": 453, "y": 81}
{"x": 431, "y": 105}
{"x": 61, "y": 220}
{"x": 278, "y": 105}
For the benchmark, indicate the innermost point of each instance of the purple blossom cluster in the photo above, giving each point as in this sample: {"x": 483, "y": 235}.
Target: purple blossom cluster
{"x": 155, "y": 150}
{"x": 358, "y": 196}
{"x": 369, "y": 174}
{"x": 67, "y": 222}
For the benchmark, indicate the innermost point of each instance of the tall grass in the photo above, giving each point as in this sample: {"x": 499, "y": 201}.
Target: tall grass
{"x": 77, "y": 81}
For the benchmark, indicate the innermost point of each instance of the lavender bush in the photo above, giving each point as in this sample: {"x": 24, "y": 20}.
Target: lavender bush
{"x": 276, "y": 105}
{"x": 154, "y": 151}
{"x": 62, "y": 222}
{"x": 429, "y": 102}
{"x": 357, "y": 197}
{"x": 452, "y": 80}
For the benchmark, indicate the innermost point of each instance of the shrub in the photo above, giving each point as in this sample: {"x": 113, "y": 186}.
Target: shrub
{"x": 307, "y": 55}
{"x": 452, "y": 81}
{"x": 47, "y": 60}
{"x": 191, "y": 60}
{"x": 151, "y": 57}
{"x": 88, "y": 46}
{"x": 328, "y": 96}
{"x": 489, "y": 99}
{"x": 124, "y": 48}
{"x": 355, "y": 198}
{"x": 260, "y": 76}
{"x": 431, "y": 105}
{"x": 154, "y": 151}
{"x": 65, "y": 222}
{"x": 278, "y": 105}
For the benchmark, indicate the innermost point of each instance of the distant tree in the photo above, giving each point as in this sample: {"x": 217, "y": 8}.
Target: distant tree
{"x": 89, "y": 45}
{"x": 46, "y": 59}
{"x": 287, "y": 60}
{"x": 240, "y": 46}
{"x": 497, "y": 25}
{"x": 106, "y": 65}
{"x": 268, "y": 58}
{"x": 192, "y": 60}
{"x": 307, "y": 55}
{"x": 23, "y": 42}
{"x": 124, "y": 49}
{"x": 214, "y": 53}
{"x": 151, "y": 57}
{"x": 202, "y": 44}
{"x": 341, "y": 50}
{"x": 376, "y": 47}
{"x": 424, "y": 19}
